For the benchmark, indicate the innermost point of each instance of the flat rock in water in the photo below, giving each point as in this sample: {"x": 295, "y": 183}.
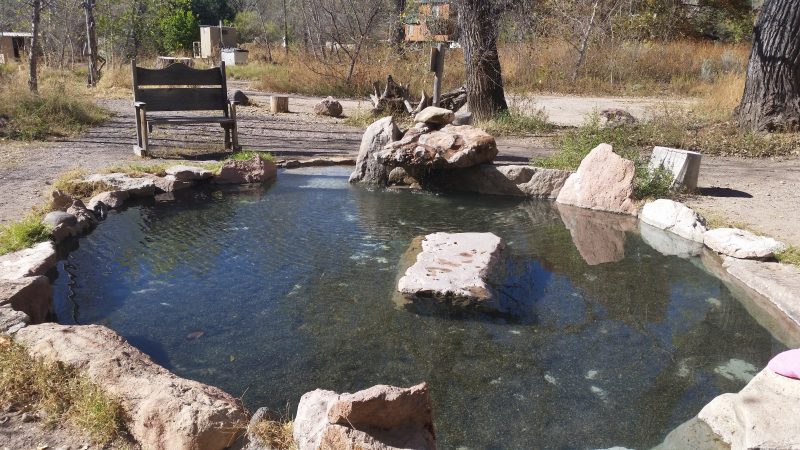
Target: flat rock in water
{"x": 667, "y": 243}
{"x": 456, "y": 267}
{"x": 603, "y": 181}
{"x": 189, "y": 173}
{"x": 742, "y": 244}
{"x": 29, "y": 262}
{"x": 674, "y": 217}
{"x": 763, "y": 414}
{"x": 163, "y": 410}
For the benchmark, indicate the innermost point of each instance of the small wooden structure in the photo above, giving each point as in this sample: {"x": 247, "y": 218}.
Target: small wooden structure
{"x": 279, "y": 104}
{"x": 213, "y": 38}
{"x": 166, "y": 61}
{"x": 154, "y": 90}
{"x": 13, "y": 45}
{"x": 430, "y": 20}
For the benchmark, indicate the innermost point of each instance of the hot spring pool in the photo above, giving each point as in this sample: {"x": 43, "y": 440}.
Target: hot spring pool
{"x": 270, "y": 293}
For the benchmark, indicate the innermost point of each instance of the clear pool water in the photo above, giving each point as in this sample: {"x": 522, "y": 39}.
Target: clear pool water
{"x": 270, "y": 293}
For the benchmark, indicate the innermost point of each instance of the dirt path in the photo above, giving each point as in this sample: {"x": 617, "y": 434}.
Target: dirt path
{"x": 761, "y": 194}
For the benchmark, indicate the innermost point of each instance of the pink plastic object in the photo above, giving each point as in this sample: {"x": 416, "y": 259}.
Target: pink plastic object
{"x": 786, "y": 364}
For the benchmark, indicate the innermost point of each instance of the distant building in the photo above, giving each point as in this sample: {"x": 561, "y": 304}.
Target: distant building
{"x": 213, "y": 39}
{"x": 13, "y": 45}
{"x": 433, "y": 20}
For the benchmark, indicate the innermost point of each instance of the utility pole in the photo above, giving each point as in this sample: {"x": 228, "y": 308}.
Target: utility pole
{"x": 91, "y": 43}
{"x": 33, "y": 55}
{"x": 437, "y": 67}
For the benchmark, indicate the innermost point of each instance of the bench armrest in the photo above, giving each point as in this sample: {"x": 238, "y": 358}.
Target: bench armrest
{"x": 234, "y": 102}
{"x": 139, "y": 104}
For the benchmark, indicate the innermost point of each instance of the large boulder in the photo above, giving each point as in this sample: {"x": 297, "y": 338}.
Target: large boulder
{"x": 517, "y": 181}
{"x": 377, "y": 135}
{"x": 452, "y": 147}
{"x": 164, "y": 411}
{"x": 603, "y": 181}
{"x": 378, "y": 418}
{"x": 29, "y": 262}
{"x": 189, "y": 173}
{"x": 762, "y": 415}
{"x": 254, "y": 170}
{"x": 135, "y": 187}
{"x": 433, "y": 115}
{"x": 328, "y": 107}
{"x": 456, "y": 268}
{"x": 31, "y": 295}
{"x": 742, "y": 244}
{"x": 674, "y": 217}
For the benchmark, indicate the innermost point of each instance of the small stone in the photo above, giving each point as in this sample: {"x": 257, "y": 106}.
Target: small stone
{"x": 241, "y": 98}
{"x": 328, "y": 107}
{"x": 462, "y": 118}
{"x": 434, "y": 115}
{"x": 111, "y": 200}
{"x": 56, "y": 218}
{"x": 60, "y": 200}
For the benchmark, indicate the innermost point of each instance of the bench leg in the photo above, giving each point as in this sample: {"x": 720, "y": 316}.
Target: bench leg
{"x": 145, "y": 135}
{"x": 228, "y": 139}
{"x": 235, "y": 130}
{"x": 140, "y": 149}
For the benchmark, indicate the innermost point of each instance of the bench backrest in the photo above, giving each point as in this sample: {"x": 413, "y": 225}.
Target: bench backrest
{"x": 212, "y": 96}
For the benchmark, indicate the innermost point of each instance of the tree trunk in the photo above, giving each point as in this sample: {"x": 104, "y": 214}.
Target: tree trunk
{"x": 478, "y": 22}
{"x": 33, "y": 55}
{"x": 91, "y": 42}
{"x": 398, "y": 27}
{"x": 771, "y": 99}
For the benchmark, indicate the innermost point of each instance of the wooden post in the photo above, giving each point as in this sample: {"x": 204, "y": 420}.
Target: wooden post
{"x": 437, "y": 63}
{"x": 91, "y": 42}
{"x": 279, "y": 104}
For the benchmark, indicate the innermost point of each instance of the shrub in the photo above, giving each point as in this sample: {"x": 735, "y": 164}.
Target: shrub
{"x": 515, "y": 122}
{"x": 248, "y": 155}
{"x": 653, "y": 184}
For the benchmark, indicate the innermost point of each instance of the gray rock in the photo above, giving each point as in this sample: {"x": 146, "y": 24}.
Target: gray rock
{"x": 742, "y": 244}
{"x": 29, "y": 262}
{"x": 517, "y": 181}
{"x": 241, "y": 98}
{"x": 54, "y": 219}
{"x": 683, "y": 164}
{"x": 377, "y": 135}
{"x": 169, "y": 183}
{"x": 163, "y": 411}
{"x": 779, "y": 284}
{"x": 457, "y": 268}
{"x": 135, "y": 187}
{"x": 59, "y": 200}
{"x": 189, "y": 173}
{"x": 12, "y": 320}
{"x": 31, "y": 295}
{"x": 328, "y": 107}
{"x": 111, "y": 200}
{"x": 616, "y": 117}
{"x": 603, "y": 181}
{"x": 448, "y": 148}
{"x": 692, "y": 434}
{"x": 434, "y": 115}
{"x": 261, "y": 415}
{"x": 86, "y": 218}
{"x": 674, "y": 217}
{"x": 762, "y": 415}
{"x": 312, "y": 418}
{"x": 667, "y": 243}
{"x": 462, "y": 118}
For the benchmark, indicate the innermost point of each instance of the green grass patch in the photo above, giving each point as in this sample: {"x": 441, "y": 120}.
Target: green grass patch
{"x": 789, "y": 256}
{"x": 137, "y": 170}
{"x": 248, "y": 155}
{"x": 23, "y": 234}
{"x": 58, "y": 391}
{"x": 515, "y": 123}
{"x": 654, "y": 184}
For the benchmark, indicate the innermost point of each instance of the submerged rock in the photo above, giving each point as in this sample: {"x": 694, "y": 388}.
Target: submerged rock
{"x": 457, "y": 268}
{"x": 742, "y": 244}
{"x": 163, "y": 410}
{"x": 381, "y": 417}
{"x": 377, "y": 135}
{"x": 603, "y": 181}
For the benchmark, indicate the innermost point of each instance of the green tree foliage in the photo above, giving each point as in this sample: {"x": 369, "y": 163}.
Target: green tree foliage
{"x": 179, "y": 27}
{"x": 210, "y": 12}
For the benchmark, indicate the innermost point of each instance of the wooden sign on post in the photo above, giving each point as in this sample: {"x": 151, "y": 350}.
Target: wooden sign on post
{"x": 437, "y": 67}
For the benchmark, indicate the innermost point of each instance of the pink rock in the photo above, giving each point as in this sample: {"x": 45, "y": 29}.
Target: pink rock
{"x": 452, "y": 147}
{"x": 786, "y": 364}
{"x": 604, "y": 181}
{"x": 254, "y": 170}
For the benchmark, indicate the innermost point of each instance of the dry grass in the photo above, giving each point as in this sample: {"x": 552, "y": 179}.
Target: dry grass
{"x": 276, "y": 435}
{"x": 58, "y": 392}
{"x": 73, "y": 183}
{"x": 789, "y": 256}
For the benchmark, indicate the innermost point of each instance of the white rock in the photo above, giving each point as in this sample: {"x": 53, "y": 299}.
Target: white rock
{"x": 312, "y": 418}
{"x": 684, "y": 165}
{"x": 29, "y": 262}
{"x": 603, "y": 181}
{"x": 435, "y": 116}
{"x": 779, "y": 284}
{"x": 762, "y": 415}
{"x": 189, "y": 173}
{"x": 376, "y": 136}
{"x": 667, "y": 243}
{"x": 137, "y": 187}
{"x": 742, "y": 244}
{"x": 674, "y": 217}
{"x": 454, "y": 266}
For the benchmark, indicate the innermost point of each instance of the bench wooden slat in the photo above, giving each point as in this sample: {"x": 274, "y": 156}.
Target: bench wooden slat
{"x": 183, "y": 99}
{"x": 189, "y": 119}
{"x": 178, "y": 74}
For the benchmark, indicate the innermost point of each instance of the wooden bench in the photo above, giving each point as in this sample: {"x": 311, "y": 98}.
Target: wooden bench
{"x": 181, "y": 88}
